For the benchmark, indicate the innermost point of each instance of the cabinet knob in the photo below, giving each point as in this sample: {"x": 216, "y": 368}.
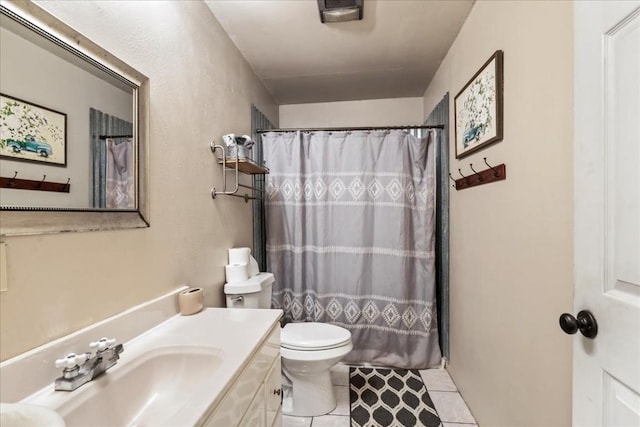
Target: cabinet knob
{"x": 277, "y": 392}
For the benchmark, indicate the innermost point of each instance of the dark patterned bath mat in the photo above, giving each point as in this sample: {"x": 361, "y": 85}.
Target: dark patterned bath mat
{"x": 390, "y": 398}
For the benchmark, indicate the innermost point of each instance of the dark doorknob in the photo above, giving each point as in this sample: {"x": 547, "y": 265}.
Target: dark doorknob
{"x": 585, "y": 323}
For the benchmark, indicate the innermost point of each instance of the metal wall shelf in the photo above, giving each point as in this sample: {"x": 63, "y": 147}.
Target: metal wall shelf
{"x": 245, "y": 165}
{"x": 236, "y": 164}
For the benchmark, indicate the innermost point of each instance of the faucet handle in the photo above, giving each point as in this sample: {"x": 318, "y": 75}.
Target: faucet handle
{"x": 71, "y": 361}
{"x": 102, "y": 344}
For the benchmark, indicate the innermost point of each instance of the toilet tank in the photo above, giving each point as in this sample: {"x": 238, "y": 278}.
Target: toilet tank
{"x": 252, "y": 293}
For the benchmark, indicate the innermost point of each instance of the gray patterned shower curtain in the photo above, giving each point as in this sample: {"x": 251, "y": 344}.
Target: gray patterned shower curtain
{"x": 350, "y": 238}
{"x": 103, "y": 124}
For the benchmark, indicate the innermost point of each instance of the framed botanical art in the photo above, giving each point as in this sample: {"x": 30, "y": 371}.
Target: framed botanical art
{"x": 32, "y": 133}
{"x": 478, "y": 108}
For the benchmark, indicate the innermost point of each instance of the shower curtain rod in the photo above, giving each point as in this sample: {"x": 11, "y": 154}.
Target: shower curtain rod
{"x": 114, "y": 136}
{"x": 350, "y": 129}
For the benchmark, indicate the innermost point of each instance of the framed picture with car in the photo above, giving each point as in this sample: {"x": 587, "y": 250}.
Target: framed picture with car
{"x": 31, "y": 132}
{"x": 478, "y": 108}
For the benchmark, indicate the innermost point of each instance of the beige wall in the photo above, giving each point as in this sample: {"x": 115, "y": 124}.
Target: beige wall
{"x": 371, "y": 112}
{"x": 511, "y": 242}
{"x": 201, "y": 88}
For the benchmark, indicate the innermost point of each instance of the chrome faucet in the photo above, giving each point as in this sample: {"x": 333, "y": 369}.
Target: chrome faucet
{"x": 79, "y": 369}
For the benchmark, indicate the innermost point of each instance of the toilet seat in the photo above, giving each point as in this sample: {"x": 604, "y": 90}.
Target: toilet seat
{"x": 311, "y": 336}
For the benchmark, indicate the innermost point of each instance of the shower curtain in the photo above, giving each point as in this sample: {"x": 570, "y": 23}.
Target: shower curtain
{"x": 103, "y": 124}
{"x": 120, "y": 174}
{"x": 350, "y": 238}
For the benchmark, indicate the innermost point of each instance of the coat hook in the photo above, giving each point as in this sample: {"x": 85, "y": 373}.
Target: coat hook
{"x": 11, "y": 181}
{"x": 42, "y": 182}
{"x": 454, "y": 181}
{"x": 466, "y": 178}
{"x": 474, "y": 171}
{"x": 495, "y": 172}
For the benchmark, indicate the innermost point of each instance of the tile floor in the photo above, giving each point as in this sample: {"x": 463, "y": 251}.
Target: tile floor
{"x": 451, "y": 407}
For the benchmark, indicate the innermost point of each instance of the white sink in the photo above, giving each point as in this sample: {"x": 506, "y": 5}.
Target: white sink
{"x": 174, "y": 370}
{"x": 151, "y": 389}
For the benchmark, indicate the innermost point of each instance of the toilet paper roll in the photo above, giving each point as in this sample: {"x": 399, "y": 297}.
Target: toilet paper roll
{"x": 191, "y": 301}
{"x": 253, "y": 267}
{"x": 236, "y": 273}
{"x": 239, "y": 255}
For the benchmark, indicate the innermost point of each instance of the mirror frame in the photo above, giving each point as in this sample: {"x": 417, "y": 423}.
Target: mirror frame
{"x": 33, "y": 220}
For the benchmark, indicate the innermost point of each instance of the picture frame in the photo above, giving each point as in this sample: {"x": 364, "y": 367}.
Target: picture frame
{"x": 478, "y": 108}
{"x": 31, "y": 132}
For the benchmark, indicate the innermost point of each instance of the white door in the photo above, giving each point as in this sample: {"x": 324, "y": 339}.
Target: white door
{"x": 606, "y": 369}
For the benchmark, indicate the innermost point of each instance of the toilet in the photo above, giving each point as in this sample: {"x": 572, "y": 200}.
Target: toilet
{"x": 308, "y": 350}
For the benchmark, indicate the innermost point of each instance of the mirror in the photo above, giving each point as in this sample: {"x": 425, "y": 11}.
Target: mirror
{"x": 73, "y": 130}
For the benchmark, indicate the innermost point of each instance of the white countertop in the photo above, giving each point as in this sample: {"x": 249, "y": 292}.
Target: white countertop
{"x": 233, "y": 335}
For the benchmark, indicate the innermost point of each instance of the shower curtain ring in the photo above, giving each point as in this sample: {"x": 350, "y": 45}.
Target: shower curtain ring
{"x": 474, "y": 171}
{"x": 466, "y": 178}
{"x": 495, "y": 172}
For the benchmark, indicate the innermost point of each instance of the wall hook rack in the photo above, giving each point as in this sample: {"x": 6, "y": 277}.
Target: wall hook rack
{"x": 486, "y": 176}
{"x": 32, "y": 184}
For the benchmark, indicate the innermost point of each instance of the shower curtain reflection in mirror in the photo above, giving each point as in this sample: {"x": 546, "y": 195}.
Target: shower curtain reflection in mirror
{"x": 113, "y": 161}
{"x": 120, "y": 174}
{"x": 351, "y": 238}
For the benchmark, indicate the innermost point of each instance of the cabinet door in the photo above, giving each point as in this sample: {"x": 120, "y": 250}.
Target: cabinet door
{"x": 255, "y": 416}
{"x": 278, "y": 421}
{"x": 273, "y": 392}
{"x": 241, "y": 394}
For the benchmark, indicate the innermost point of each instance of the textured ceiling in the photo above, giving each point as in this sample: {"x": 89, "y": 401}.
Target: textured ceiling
{"x": 393, "y": 52}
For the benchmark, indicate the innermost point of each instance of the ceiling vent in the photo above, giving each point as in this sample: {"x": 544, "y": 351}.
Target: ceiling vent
{"x": 340, "y": 10}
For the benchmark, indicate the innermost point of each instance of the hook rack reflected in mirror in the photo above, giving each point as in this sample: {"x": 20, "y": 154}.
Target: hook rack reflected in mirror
{"x": 34, "y": 184}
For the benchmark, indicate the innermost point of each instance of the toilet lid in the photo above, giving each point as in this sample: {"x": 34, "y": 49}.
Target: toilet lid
{"x": 313, "y": 336}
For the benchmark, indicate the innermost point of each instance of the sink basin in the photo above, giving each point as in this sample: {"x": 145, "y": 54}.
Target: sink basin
{"x": 150, "y": 389}
{"x": 174, "y": 372}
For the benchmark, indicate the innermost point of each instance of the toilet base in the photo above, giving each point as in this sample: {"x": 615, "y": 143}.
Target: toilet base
{"x": 312, "y": 395}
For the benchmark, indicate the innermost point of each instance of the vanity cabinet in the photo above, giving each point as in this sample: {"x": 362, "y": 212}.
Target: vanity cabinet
{"x": 273, "y": 394}
{"x": 254, "y": 398}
